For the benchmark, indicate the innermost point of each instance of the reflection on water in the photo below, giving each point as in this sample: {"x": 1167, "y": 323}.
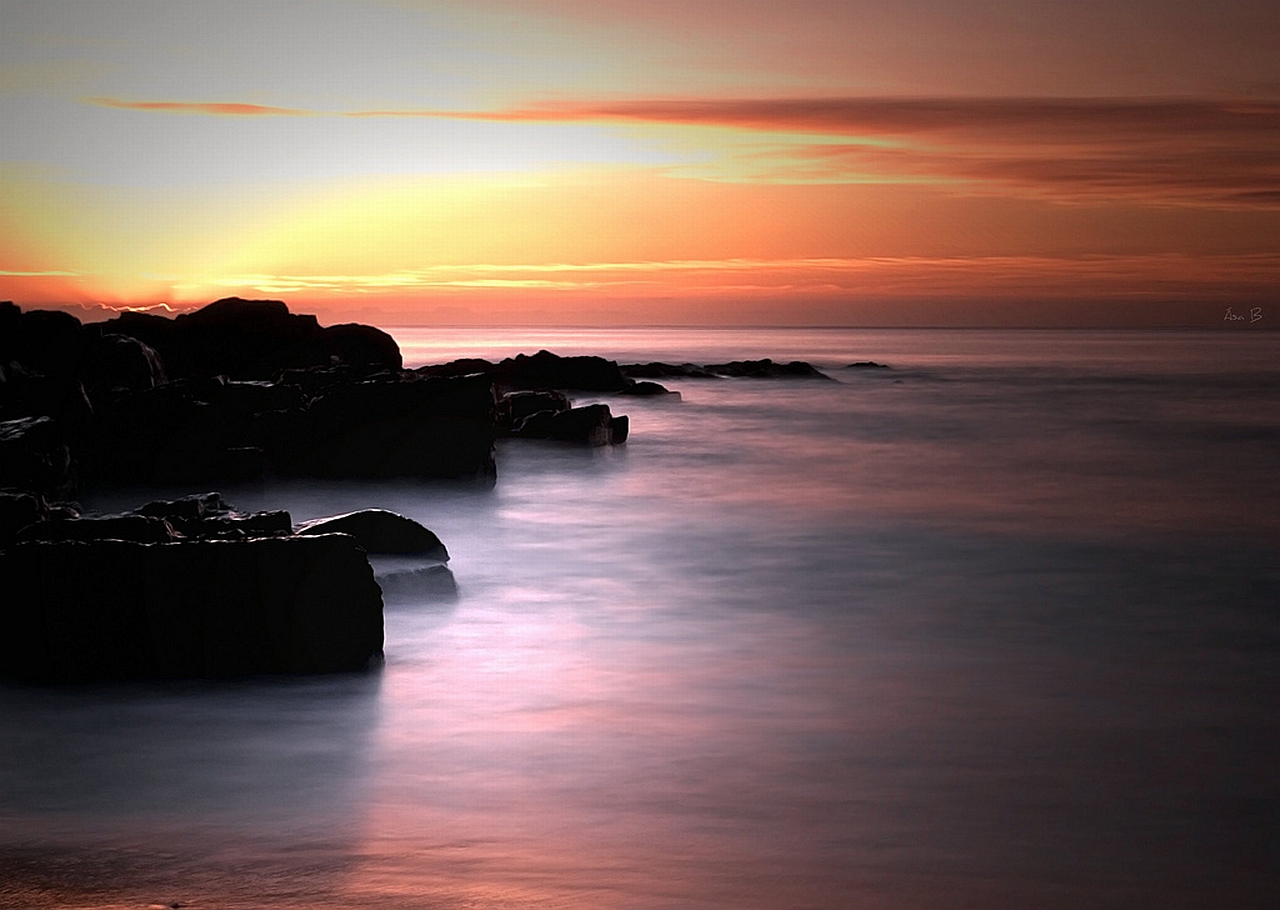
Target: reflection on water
{"x": 984, "y": 638}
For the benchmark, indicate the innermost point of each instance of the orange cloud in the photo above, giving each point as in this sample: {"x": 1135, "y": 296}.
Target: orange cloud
{"x": 223, "y": 109}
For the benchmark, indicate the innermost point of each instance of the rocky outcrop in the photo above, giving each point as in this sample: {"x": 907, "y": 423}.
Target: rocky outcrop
{"x": 191, "y": 587}
{"x": 79, "y": 611}
{"x": 253, "y": 339}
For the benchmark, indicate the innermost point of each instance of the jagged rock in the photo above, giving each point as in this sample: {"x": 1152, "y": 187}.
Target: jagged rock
{"x": 514, "y": 407}
{"x": 19, "y": 509}
{"x": 592, "y": 425}
{"x": 119, "y": 363}
{"x": 545, "y": 370}
{"x": 34, "y": 455}
{"x": 867, "y": 365}
{"x": 648, "y": 389}
{"x": 657, "y": 370}
{"x": 114, "y": 610}
{"x": 242, "y": 339}
{"x": 135, "y": 528}
{"x": 767, "y": 369}
{"x": 380, "y": 531}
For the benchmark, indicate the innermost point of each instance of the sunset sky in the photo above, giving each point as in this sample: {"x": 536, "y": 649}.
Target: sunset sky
{"x": 720, "y": 161}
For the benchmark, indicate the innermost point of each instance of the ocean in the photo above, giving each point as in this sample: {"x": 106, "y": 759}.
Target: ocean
{"x": 997, "y": 627}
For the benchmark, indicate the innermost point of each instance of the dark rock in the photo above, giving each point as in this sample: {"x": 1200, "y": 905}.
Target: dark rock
{"x": 135, "y": 528}
{"x": 196, "y": 506}
{"x": 591, "y": 425}
{"x": 645, "y": 388}
{"x": 465, "y": 366}
{"x": 410, "y": 427}
{"x": 242, "y": 339}
{"x": 361, "y": 345}
{"x": 867, "y": 365}
{"x": 767, "y": 369}
{"x": 514, "y": 407}
{"x": 119, "y": 363}
{"x": 380, "y": 531}
{"x": 115, "y": 610}
{"x": 17, "y": 511}
{"x": 656, "y": 370}
{"x": 34, "y": 455}
{"x": 545, "y": 370}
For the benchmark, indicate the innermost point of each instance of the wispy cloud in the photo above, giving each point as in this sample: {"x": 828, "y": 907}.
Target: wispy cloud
{"x": 1223, "y": 153}
{"x": 1133, "y": 276}
{"x": 214, "y": 108}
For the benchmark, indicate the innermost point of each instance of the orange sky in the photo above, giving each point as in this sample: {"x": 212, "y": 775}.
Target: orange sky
{"x": 571, "y": 161}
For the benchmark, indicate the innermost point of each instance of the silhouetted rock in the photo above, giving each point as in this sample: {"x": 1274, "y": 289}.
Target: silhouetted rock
{"x": 242, "y": 339}
{"x": 514, "y": 407}
{"x": 361, "y": 345}
{"x": 405, "y": 427}
{"x": 657, "y": 370}
{"x": 592, "y": 425}
{"x": 767, "y": 369}
{"x": 112, "y": 609}
{"x": 34, "y": 455}
{"x": 648, "y": 389}
{"x": 380, "y": 531}
{"x": 867, "y": 365}
{"x": 545, "y": 370}
{"x": 135, "y": 528}
{"x": 120, "y": 363}
{"x": 17, "y": 511}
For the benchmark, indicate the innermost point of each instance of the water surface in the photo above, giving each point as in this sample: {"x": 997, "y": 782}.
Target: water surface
{"x": 995, "y": 628}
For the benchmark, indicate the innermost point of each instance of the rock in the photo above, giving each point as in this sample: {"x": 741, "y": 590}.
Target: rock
{"x": 867, "y": 365}
{"x": 380, "y": 531}
{"x": 406, "y": 427}
{"x": 187, "y": 508}
{"x": 241, "y": 339}
{"x": 545, "y": 370}
{"x": 514, "y": 407}
{"x": 592, "y": 425}
{"x": 34, "y": 455}
{"x": 135, "y": 528}
{"x": 767, "y": 369}
{"x": 361, "y": 345}
{"x": 648, "y": 389}
{"x": 109, "y": 609}
{"x": 657, "y": 370}
{"x": 17, "y": 511}
{"x": 118, "y": 363}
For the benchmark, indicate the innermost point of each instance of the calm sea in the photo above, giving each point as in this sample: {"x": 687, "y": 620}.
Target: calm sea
{"x": 996, "y": 628}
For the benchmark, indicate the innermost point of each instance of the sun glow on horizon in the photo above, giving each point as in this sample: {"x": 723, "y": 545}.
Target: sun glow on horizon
{"x": 422, "y": 154}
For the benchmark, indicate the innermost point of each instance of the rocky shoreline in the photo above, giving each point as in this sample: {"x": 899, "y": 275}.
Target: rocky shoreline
{"x": 244, "y": 390}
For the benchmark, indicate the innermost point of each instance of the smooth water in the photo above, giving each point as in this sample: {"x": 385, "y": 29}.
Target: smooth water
{"x": 997, "y": 628}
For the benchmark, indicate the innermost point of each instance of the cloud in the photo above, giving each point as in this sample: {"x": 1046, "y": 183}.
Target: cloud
{"x": 216, "y": 108}
{"x": 1188, "y": 151}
